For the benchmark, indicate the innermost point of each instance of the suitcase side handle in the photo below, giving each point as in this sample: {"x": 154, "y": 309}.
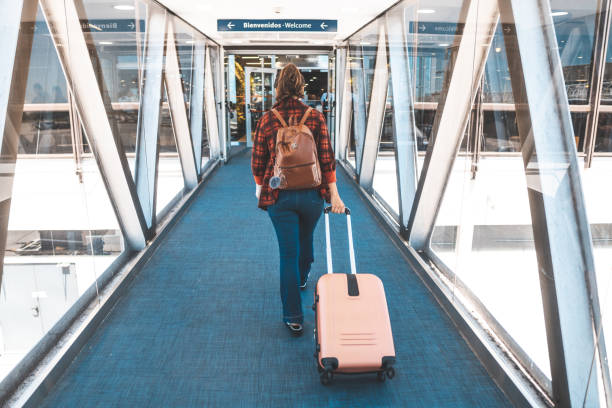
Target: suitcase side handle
{"x": 350, "y": 238}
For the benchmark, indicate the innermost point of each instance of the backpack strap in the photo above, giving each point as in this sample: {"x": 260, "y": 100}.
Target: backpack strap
{"x": 279, "y": 117}
{"x": 305, "y": 116}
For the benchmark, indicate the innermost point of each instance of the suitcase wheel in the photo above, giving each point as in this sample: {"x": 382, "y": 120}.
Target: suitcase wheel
{"x": 390, "y": 372}
{"x": 381, "y": 376}
{"x": 326, "y": 377}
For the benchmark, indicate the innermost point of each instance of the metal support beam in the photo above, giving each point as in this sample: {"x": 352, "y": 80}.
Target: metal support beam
{"x": 197, "y": 101}
{"x": 211, "y": 109}
{"x": 358, "y": 96}
{"x": 336, "y": 104}
{"x": 404, "y": 124}
{"x": 223, "y": 140}
{"x": 560, "y": 227}
{"x": 345, "y": 109}
{"x": 147, "y": 134}
{"x": 461, "y": 83}
{"x": 16, "y": 36}
{"x": 376, "y": 111}
{"x": 600, "y": 49}
{"x": 178, "y": 111}
{"x": 74, "y": 55}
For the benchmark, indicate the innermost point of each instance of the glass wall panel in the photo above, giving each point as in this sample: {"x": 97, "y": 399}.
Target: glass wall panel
{"x": 62, "y": 230}
{"x": 217, "y": 73}
{"x": 606, "y": 90}
{"x": 118, "y": 35}
{"x": 385, "y": 171}
{"x": 170, "y": 180}
{"x": 362, "y": 58}
{"x": 46, "y": 119}
{"x": 63, "y": 233}
{"x": 358, "y": 120}
{"x": 430, "y": 35}
{"x": 483, "y": 233}
{"x": 598, "y": 202}
{"x": 603, "y": 140}
{"x": 574, "y": 28}
{"x": 205, "y": 137}
{"x": 185, "y": 44}
{"x": 328, "y": 99}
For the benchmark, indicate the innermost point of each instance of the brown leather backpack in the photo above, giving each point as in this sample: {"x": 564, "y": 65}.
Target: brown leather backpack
{"x": 297, "y": 163}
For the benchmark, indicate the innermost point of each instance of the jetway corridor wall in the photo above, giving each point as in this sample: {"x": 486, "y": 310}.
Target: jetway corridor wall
{"x": 478, "y": 130}
{"x": 109, "y": 123}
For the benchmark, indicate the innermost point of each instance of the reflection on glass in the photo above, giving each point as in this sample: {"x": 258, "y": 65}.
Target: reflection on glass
{"x": 185, "y": 43}
{"x": 358, "y": 123}
{"x": 574, "y": 28}
{"x": 118, "y": 48}
{"x": 603, "y": 140}
{"x": 46, "y": 121}
{"x": 500, "y": 131}
{"x": 424, "y": 120}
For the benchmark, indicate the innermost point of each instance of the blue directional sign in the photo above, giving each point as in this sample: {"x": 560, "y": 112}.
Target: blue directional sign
{"x": 106, "y": 26}
{"x": 431, "y": 27}
{"x": 277, "y": 25}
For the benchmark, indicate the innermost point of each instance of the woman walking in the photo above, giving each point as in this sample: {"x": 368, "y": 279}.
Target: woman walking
{"x": 294, "y": 213}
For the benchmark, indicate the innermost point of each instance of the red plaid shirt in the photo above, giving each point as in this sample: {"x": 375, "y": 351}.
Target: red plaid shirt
{"x": 264, "y": 148}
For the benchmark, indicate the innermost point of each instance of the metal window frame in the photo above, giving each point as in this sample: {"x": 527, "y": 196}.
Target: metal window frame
{"x": 196, "y": 108}
{"x": 452, "y": 116}
{"x": 560, "y": 227}
{"x": 178, "y": 110}
{"x": 340, "y": 71}
{"x": 404, "y": 124}
{"x": 358, "y": 102}
{"x": 93, "y": 107}
{"x": 376, "y": 111}
{"x": 149, "y": 112}
{"x": 600, "y": 49}
{"x": 16, "y": 40}
{"x": 346, "y": 110}
{"x": 211, "y": 110}
{"x": 223, "y": 141}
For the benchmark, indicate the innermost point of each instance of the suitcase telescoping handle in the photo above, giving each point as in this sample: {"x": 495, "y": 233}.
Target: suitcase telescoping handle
{"x": 328, "y": 240}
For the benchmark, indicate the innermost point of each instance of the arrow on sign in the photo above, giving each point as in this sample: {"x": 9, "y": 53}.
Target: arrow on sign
{"x": 230, "y": 25}
{"x": 323, "y": 26}
{"x": 131, "y": 25}
{"x": 422, "y": 28}
{"x": 507, "y": 29}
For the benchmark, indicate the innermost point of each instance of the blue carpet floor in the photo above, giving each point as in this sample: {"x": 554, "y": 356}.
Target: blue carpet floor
{"x": 201, "y": 324}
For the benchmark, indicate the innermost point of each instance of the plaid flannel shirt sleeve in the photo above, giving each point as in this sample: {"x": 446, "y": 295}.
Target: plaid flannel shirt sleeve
{"x": 260, "y": 154}
{"x": 326, "y": 153}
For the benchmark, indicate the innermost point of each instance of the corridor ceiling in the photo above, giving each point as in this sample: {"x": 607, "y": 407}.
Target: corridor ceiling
{"x": 203, "y": 14}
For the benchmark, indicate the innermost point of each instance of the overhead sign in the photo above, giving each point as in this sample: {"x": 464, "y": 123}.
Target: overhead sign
{"x": 105, "y": 26}
{"x": 278, "y": 25}
{"x": 431, "y": 27}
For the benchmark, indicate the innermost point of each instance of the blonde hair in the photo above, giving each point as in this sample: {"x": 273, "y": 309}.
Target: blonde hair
{"x": 289, "y": 82}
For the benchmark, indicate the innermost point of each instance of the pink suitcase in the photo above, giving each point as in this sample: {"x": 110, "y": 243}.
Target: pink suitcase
{"x": 352, "y": 327}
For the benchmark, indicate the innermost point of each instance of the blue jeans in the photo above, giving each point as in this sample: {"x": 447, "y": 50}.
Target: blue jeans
{"x": 294, "y": 216}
